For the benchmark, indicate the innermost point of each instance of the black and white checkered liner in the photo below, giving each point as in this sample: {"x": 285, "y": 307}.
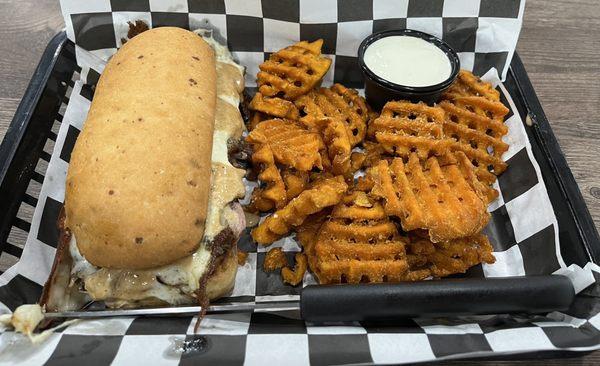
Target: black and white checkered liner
{"x": 523, "y": 228}
{"x": 483, "y": 32}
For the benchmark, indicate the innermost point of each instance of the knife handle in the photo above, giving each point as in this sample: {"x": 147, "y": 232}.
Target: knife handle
{"x": 436, "y": 298}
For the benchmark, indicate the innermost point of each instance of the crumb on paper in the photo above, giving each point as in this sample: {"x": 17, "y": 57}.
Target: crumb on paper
{"x": 241, "y": 257}
{"x": 275, "y": 259}
{"x": 135, "y": 28}
{"x": 295, "y": 276}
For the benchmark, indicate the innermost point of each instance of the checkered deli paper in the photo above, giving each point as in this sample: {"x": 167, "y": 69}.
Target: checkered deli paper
{"x": 523, "y": 228}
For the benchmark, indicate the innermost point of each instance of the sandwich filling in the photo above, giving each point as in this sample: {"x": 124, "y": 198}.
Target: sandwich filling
{"x": 181, "y": 281}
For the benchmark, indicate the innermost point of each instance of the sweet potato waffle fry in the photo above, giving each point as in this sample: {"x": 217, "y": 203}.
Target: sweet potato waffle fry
{"x": 256, "y": 118}
{"x": 479, "y": 137}
{"x": 359, "y": 244}
{"x": 450, "y": 257}
{"x": 431, "y": 167}
{"x": 404, "y": 128}
{"x": 468, "y": 84}
{"x": 274, "y": 260}
{"x": 306, "y": 235}
{"x": 273, "y": 194}
{"x": 484, "y": 107}
{"x": 292, "y": 145}
{"x": 325, "y": 193}
{"x": 293, "y": 71}
{"x": 274, "y": 106}
{"x": 336, "y": 102}
{"x": 294, "y": 276}
{"x": 295, "y": 182}
{"x": 336, "y": 139}
{"x": 428, "y": 195}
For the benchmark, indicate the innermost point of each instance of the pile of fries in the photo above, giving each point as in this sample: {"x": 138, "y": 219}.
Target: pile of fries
{"x": 399, "y": 195}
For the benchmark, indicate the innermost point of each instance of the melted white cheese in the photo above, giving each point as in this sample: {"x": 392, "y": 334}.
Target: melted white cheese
{"x": 231, "y": 100}
{"x": 26, "y": 318}
{"x": 219, "y": 149}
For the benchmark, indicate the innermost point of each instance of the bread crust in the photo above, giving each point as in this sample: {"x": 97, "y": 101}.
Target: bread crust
{"x": 139, "y": 178}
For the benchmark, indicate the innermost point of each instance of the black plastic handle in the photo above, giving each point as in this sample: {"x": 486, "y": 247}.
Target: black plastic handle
{"x": 448, "y": 297}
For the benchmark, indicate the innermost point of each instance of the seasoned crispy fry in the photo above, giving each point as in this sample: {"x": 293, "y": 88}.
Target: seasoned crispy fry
{"x": 255, "y": 119}
{"x": 479, "y": 137}
{"x": 357, "y": 160}
{"x": 293, "y": 71}
{"x": 442, "y": 199}
{"x": 336, "y": 102}
{"x": 306, "y": 235}
{"x": 374, "y": 152}
{"x": 292, "y": 145}
{"x": 241, "y": 257}
{"x": 468, "y": 84}
{"x": 323, "y": 194}
{"x": 258, "y": 203}
{"x": 404, "y": 128}
{"x": 295, "y": 276}
{"x": 295, "y": 183}
{"x": 364, "y": 183}
{"x": 485, "y": 108}
{"x": 336, "y": 139}
{"x": 474, "y": 119}
{"x": 274, "y": 106}
{"x": 450, "y": 257}
{"x": 274, "y": 259}
{"x": 274, "y": 190}
{"x": 359, "y": 244}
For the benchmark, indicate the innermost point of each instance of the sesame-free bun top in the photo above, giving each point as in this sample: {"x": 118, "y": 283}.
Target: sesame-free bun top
{"x": 139, "y": 175}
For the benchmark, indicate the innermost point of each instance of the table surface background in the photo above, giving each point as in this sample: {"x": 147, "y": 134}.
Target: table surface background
{"x": 559, "y": 46}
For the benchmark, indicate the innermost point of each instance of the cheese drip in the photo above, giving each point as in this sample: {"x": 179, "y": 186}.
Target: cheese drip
{"x": 176, "y": 283}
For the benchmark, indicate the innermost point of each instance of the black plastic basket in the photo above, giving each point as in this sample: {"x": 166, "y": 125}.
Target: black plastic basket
{"x": 29, "y": 140}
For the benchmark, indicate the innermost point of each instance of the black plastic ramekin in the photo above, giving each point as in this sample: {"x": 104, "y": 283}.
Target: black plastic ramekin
{"x": 379, "y": 91}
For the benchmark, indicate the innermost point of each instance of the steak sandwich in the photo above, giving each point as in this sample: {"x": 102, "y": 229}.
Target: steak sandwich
{"x": 151, "y": 215}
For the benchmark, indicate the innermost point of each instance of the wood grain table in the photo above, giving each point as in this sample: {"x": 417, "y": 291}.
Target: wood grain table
{"x": 559, "y": 45}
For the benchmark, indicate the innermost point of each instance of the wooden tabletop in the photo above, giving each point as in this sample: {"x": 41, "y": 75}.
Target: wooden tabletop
{"x": 559, "y": 45}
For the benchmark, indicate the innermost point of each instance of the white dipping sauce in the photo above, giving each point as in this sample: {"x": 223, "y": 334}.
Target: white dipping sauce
{"x": 408, "y": 61}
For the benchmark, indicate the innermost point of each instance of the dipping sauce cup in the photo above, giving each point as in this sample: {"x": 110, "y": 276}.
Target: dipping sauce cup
{"x": 400, "y": 68}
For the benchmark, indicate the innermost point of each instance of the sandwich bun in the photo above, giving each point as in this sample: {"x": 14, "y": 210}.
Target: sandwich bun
{"x": 139, "y": 176}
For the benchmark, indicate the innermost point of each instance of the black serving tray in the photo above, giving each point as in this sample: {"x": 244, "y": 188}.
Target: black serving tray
{"x": 30, "y": 136}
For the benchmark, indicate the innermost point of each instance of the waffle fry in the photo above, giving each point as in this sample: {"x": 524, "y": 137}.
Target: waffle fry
{"x": 467, "y": 84}
{"x": 306, "y": 235}
{"x": 295, "y": 183}
{"x": 450, "y": 257}
{"x": 404, "y": 128}
{"x": 484, "y": 108}
{"x": 275, "y": 107}
{"x": 336, "y": 139}
{"x": 365, "y": 183}
{"x": 292, "y": 145}
{"x": 274, "y": 260}
{"x": 294, "y": 276}
{"x": 273, "y": 194}
{"x": 357, "y": 160}
{"x": 479, "y": 137}
{"x": 293, "y": 71}
{"x": 374, "y": 152}
{"x": 424, "y": 195}
{"x": 359, "y": 244}
{"x": 336, "y": 102}
{"x": 255, "y": 119}
{"x": 323, "y": 194}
